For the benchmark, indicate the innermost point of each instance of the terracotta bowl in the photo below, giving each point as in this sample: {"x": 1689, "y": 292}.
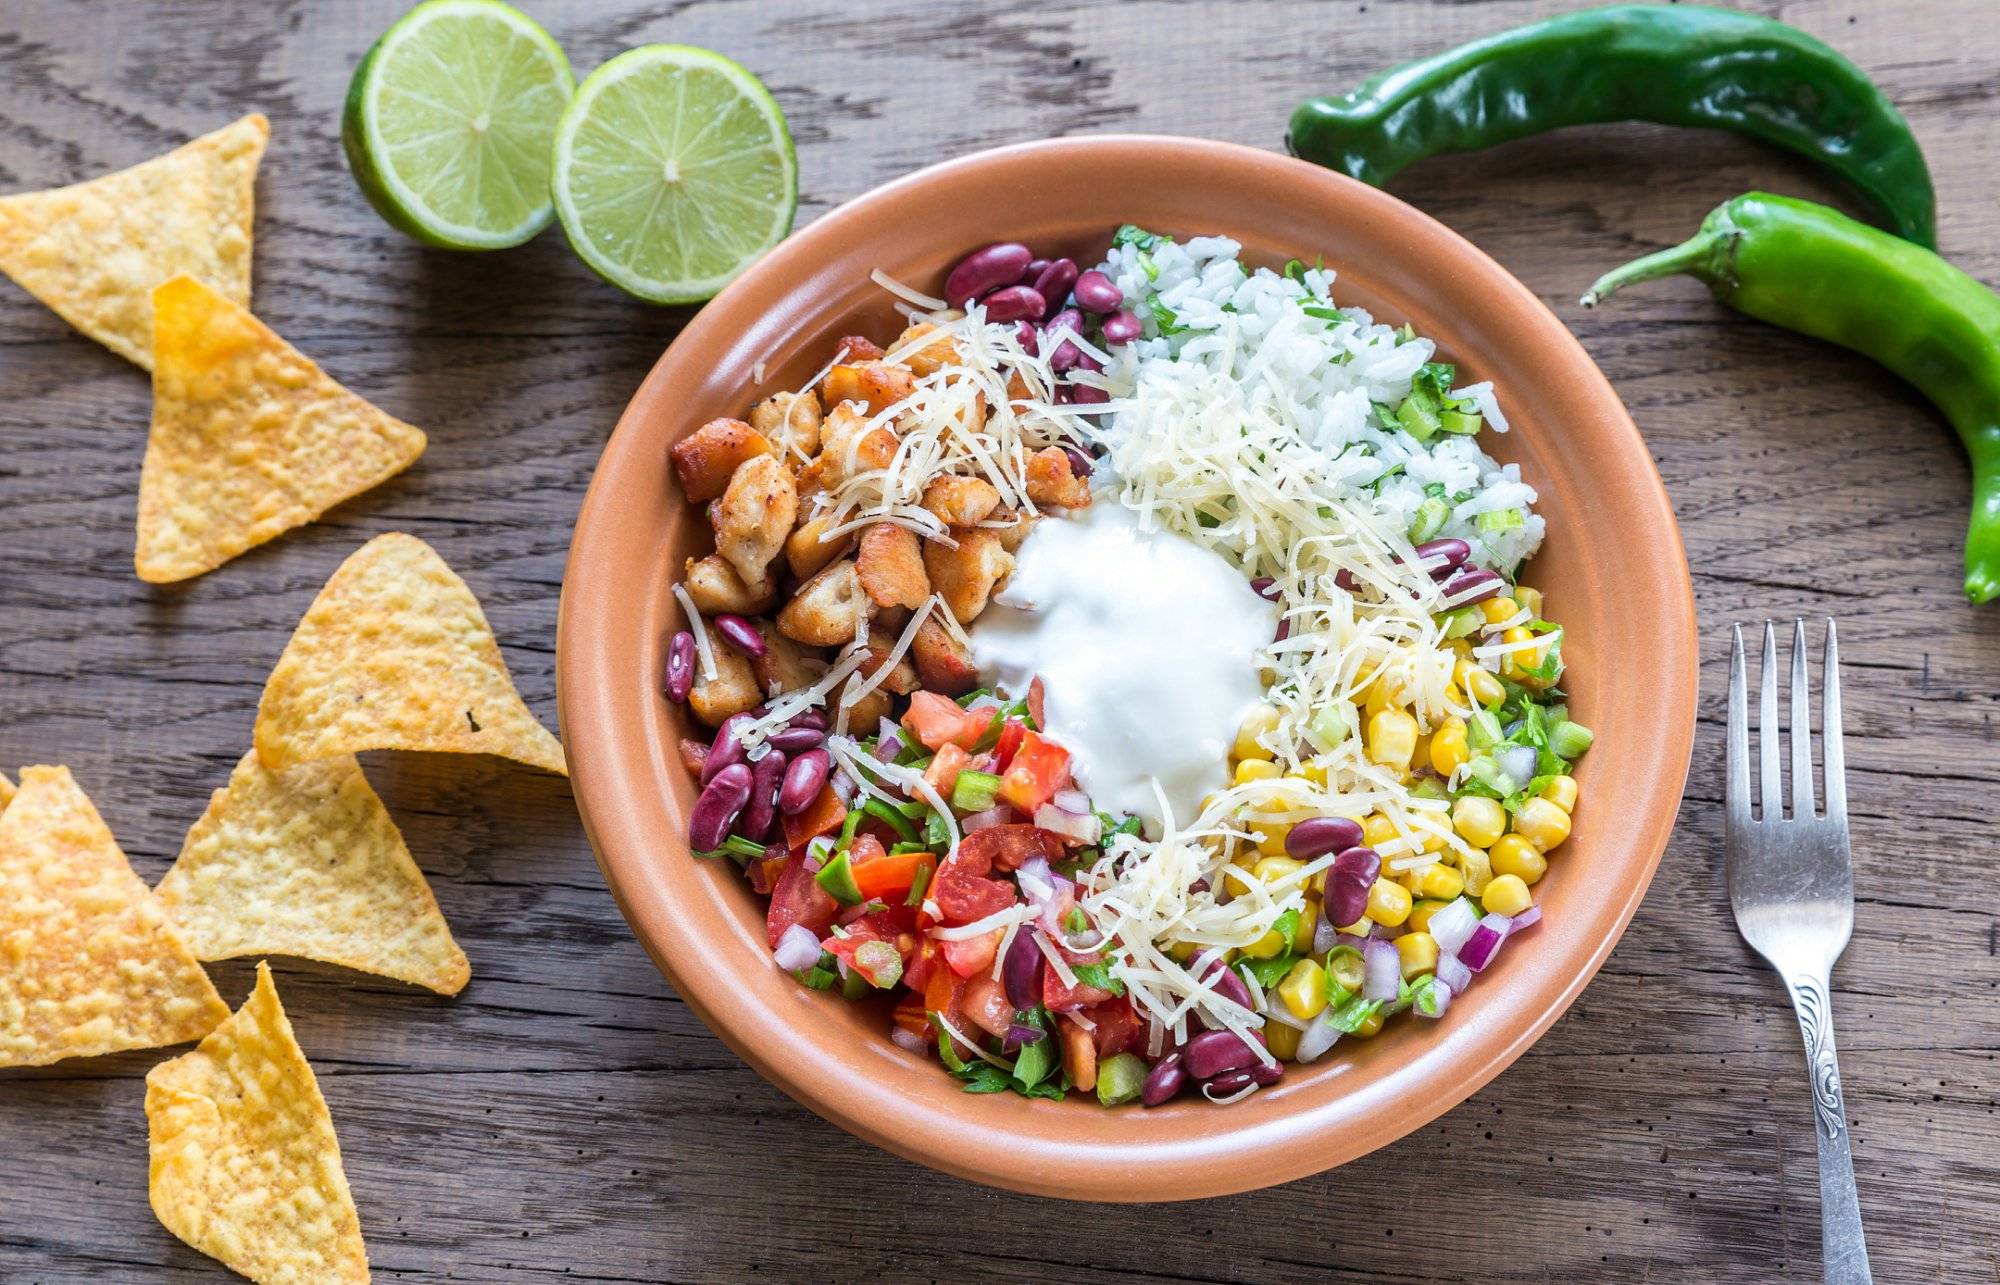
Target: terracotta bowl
{"x": 1612, "y": 568}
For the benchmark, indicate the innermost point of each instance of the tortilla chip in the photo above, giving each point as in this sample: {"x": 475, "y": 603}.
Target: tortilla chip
{"x": 249, "y": 440}
{"x": 395, "y": 654}
{"x": 89, "y": 963}
{"x": 309, "y": 863}
{"x": 94, "y": 251}
{"x": 245, "y": 1165}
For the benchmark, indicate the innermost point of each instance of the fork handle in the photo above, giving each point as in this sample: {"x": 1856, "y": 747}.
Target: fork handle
{"x": 1843, "y": 1249}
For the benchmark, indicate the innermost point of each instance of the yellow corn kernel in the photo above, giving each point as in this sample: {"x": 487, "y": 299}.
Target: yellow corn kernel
{"x": 1561, "y": 792}
{"x": 1270, "y": 836}
{"x": 1260, "y": 720}
{"x": 1315, "y": 772}
{"x": 1377, "y": 830}
{"x": 1542, "y": 823}
{"x": 1430, "y": 841}
{"x": 1439, "y": 882}
{"x": 1389, "y": 903}
{"x": 1478, "y": 820}
{"x": 1248, "y": 770}
{"x": 1480, "y": 684}
{"x": 1271, "y": 945}
{"x": 1302, "y": 936}
{"x": 1182, "y": 951}
{"x": 1304, "y": 990}
{"x": 1514, "y": 855}
{"x": 1506, "y": 895}
{"x": 1419, "y": 952}
{"x": 1530, "y": 600}
{"x": 1420, "y": 915}
{"x": 1448, "y": 750}
{"x": 1282, "y": 1040}
{"x": 1272, "y": 869}
{"x": 1477, "y": 868}
{"x": 1371, "y": 1026}
{"x": 1498, "y": 609}
{"x": 1392, "y": 739}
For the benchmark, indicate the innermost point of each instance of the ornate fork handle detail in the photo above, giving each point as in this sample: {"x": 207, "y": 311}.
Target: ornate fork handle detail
{"x": 1844, "y": 1249}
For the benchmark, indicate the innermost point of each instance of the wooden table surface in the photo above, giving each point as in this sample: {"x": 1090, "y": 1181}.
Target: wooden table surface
{"x": 566, "y": 1116}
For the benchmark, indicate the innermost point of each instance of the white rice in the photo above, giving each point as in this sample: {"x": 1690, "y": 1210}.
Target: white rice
{"x": 1323, "y": 377}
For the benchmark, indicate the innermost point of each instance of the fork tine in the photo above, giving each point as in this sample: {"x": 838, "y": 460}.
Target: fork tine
{"x": 1829, "y": 723}
{"x": 1737, "y": 791}
{"x": 1771, "y": 790}
{"x": 1801, "y": 717}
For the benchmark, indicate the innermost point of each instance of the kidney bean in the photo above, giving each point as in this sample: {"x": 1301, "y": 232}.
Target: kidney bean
{"x": 1033, "y": 270}
{"x": 804, "y": 779}
{"x": 1211, "y": 1053}
{"x": 767, "y": 774}
{"x": 1028, "y": 335}
{"x": 990, "y": 267}
{"x": 1345, "y": 579}
{"x": 721, "y": 801}
{"x": 727, "y": 747}
{"x": 740, "y": 634}
{"x": 1347, "y": 885}
{"x": 1264, "y": 585}
{"x": 1165, "y": 1081}
{"x": 1267, "y": 1074}
{"x": 1122, "y": 327}
{"x": 680, "y": 667}
{"x": 1229, "y": 1082}
{"x": 1284, "y": 631}
{"x": 1229, "y": 985}
{"x": 1098, "y": 293}
{"x": 1454, "y": 552}
{"x": 1054, "y": 282}
{"x": 1080, "y": 465}
{"x": 1014, "y": 303}
{"x": 1472, "y": 584}
{"x": 815, "y": 718}
{"x": 1022, "y": 972}
{"x": 1087, "y": 395}
{"x": 1066, "y": 354}
{"x": 793, "y": 739}
{"x": 1317, "y": 836}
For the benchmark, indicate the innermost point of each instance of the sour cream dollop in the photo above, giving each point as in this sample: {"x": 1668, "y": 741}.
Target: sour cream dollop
{"x": 1146, "y": 644}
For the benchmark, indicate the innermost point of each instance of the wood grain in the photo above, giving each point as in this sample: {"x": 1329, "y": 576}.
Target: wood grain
{"x": 566, "y": 1116}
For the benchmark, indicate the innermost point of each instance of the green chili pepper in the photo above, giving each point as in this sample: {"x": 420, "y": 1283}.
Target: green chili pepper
{"x": 1814, "y": 270}
{"x": 1681, "y": 65}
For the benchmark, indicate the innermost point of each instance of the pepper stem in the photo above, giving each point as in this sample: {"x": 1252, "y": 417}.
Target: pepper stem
{"x": 1696, "y": 256}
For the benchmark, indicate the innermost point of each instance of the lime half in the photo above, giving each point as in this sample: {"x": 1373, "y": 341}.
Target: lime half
{"x": 673, "y": 171}
{"x": 451, "y": 120}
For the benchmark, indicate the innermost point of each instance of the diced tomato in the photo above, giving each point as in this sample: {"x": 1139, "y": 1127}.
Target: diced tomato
{"x": 1009, "y": 742}
{"x": 823, "y": 816}
{"x": 984, "y": 1001}
{"x": 1060, "y": 998}
{"x": 764, "y": 872}
{"x": 937, "y": 721}
{"x": 798, "y": 899}
{"x": 943, "y": 772}
{"x": 1005, "y": 847}
{"x": 942, "y": 985}
{"x": 1037, "y": 699}
{"x": 924, "y": 963}
{"x": 1119, "y": 1029}
{"x": 888, "y": 876}
{"x": 1038, "y": 769}
{"x": 975, "y": 953}
{"x": 964, "y": 894}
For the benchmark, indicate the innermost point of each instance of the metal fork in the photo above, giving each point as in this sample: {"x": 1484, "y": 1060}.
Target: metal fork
{"x": 1791, "y": 884}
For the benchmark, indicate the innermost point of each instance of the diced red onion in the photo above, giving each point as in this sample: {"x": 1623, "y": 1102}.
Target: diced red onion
{"x": 1019, "y": 1036}
{"x": 1072, "y": 801}
{"x": 995, "y": 815}
{"x": 1318, "y": 1038}
{"x": 1518, "y": 762}
{"x": 1083, "y": 830}
{"x": 1526, "y": 919}
{"x": 1484, "y": 943}
{"x": 1382, "y": 970}
{"x": 797, "y": 949}
{"x": 1325, "y": 936}
{"x": 1037, "y": 881}
{"x": 1452, "y": 972}
{"x": 843, "y": 785}
{"x": 1452, "y": 926}
{"x": 908, "y": 1041}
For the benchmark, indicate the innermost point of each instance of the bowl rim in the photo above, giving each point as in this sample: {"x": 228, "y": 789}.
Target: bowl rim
{"x": 608, "y": 775}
